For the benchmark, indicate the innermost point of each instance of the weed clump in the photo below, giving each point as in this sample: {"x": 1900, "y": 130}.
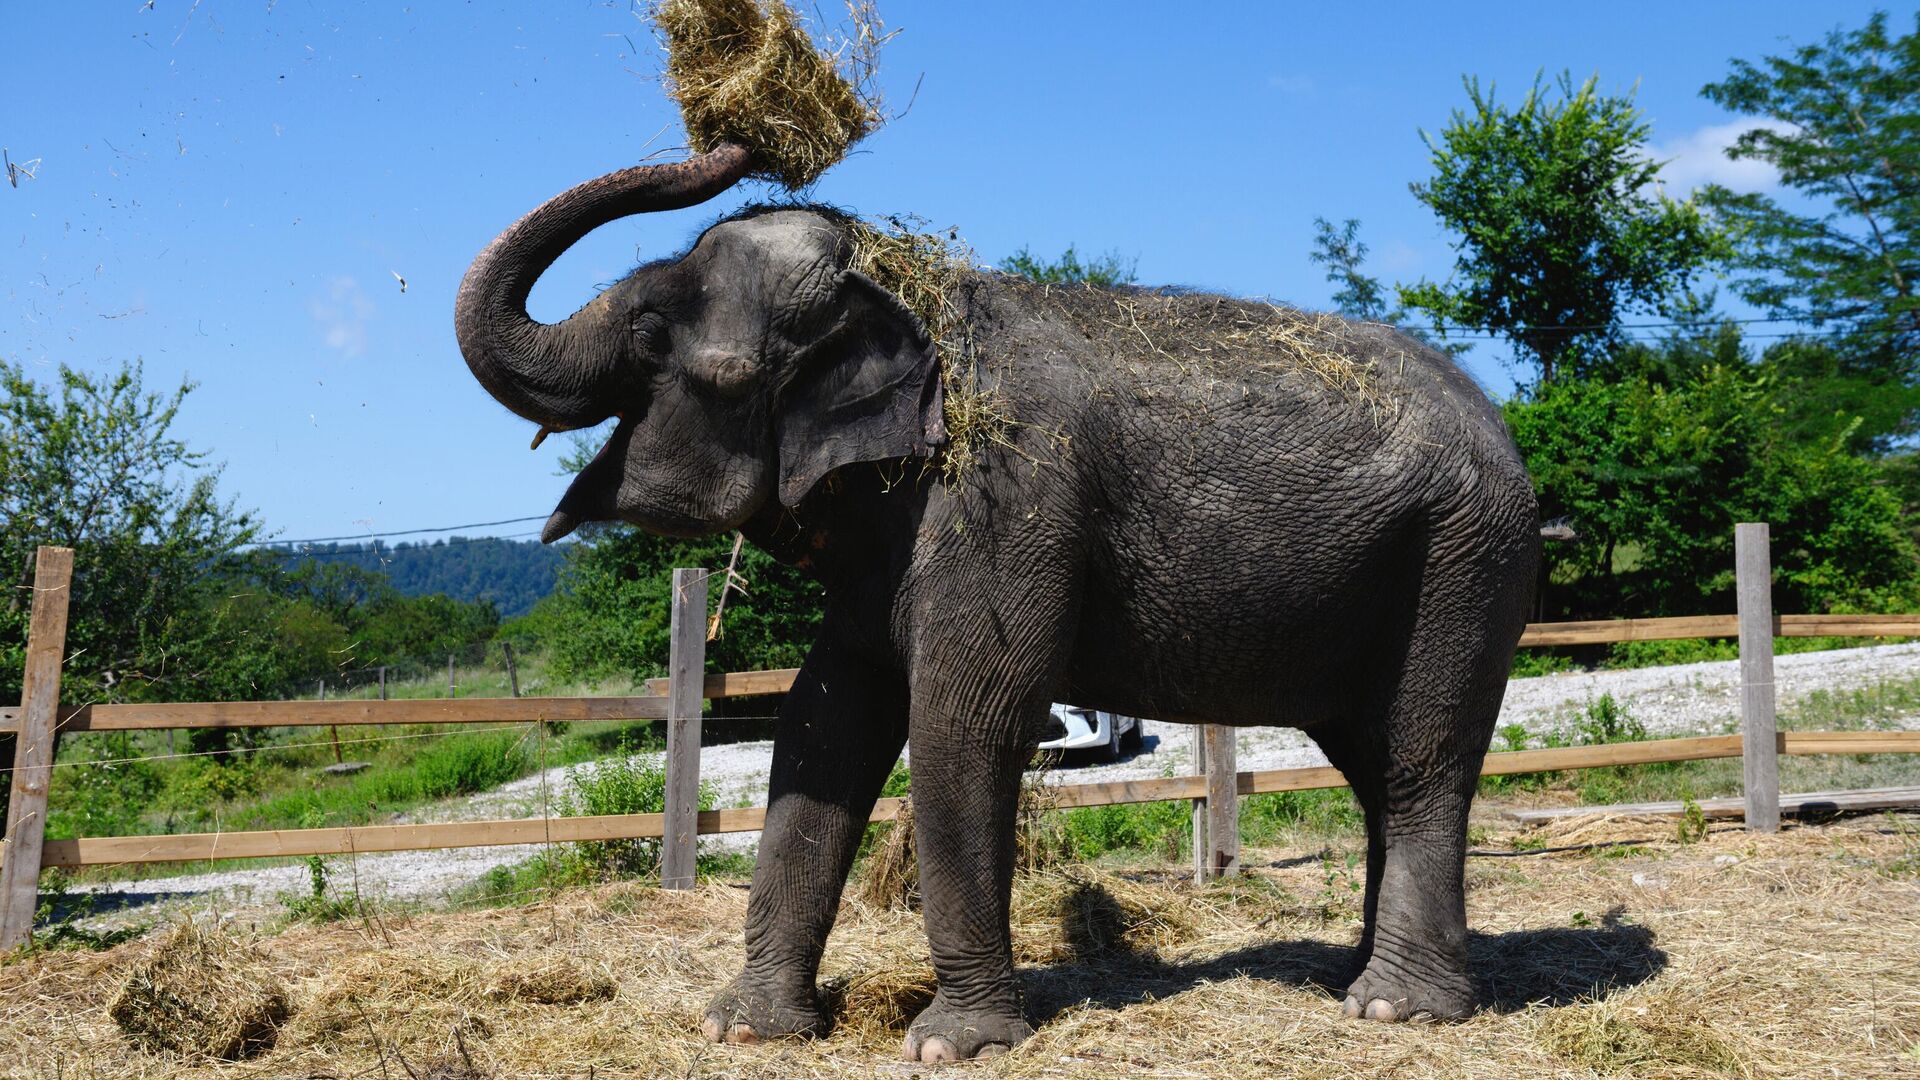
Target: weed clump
{"x": 201, "y": 993}
{"x": 744, "y": 71}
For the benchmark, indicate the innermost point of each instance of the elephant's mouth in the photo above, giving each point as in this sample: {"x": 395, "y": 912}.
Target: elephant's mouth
{"x": 592, "y": 494}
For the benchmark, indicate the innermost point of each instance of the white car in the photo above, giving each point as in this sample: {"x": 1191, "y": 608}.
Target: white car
{"x": 1070, "y": 727}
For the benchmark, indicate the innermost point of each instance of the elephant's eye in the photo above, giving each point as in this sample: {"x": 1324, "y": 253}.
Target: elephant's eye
{"x": 650, "y": 329}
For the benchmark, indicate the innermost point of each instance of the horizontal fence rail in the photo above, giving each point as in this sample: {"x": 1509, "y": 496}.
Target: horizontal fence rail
{"x": 370, "y": 839}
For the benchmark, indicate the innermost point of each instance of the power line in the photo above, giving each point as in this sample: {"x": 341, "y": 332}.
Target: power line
{"x": 408, "y": 532}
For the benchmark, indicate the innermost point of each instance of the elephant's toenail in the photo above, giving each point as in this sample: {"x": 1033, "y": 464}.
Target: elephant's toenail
{"x": 992, "y": 1050}
{"x": 938, "y": 1049}
{"x": 1351, "y": 1008}
{"x": 1381, "y": 1009}
{"x": 742, "y": 1035}
{"x": 710, "y": 1027}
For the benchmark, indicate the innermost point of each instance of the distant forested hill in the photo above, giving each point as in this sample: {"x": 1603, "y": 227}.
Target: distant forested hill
{"x": 514, "y": 574}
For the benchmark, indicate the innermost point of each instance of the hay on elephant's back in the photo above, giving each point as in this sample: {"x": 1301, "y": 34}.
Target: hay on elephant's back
{"x": 745, "y": 71}
{"x": 1206, "y": 336}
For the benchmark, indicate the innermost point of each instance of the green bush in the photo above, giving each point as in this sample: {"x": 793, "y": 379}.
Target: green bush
{"x": 619, "y": 785}
{"x": 1159, "y": 827}
{"x": 464, "y": 764}
{"x": 1654, "y": 472}
{"x": 1528, "y": 663}
{"x": 1264, "y": 818}
{"x": 98, "y": 796}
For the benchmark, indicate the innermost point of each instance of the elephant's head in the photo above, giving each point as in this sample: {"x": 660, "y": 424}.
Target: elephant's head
{"x": 745, "y": 370}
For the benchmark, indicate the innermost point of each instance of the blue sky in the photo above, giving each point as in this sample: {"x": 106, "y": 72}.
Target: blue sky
{"x": 230, "y": 190}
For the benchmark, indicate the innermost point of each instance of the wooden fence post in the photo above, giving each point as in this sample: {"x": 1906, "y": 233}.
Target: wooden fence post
{"x": 1200, "y": 808}
{"x": 333, "y": 730}
{"x": 513, "y": 673}
{"x": 33, "y": 746}
{"x": 1223, "y": 802}
{"x": 686, "y": 690}
{"x": 1753, "y": 587}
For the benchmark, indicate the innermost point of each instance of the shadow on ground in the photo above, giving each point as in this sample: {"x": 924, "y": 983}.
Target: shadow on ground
{"x": 1512, "y": 970}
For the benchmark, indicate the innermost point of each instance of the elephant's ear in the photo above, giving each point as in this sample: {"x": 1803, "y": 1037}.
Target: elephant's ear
{"x": 867, "y": 391}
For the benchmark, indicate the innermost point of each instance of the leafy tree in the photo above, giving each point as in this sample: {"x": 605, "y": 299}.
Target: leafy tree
{"x": 1654, "y": 475}
{"x": 1562, "y": 228}
{"x": 1360, "y": 296}
{"x": 1104, "y": 271}
{"x": 91, "y": 463}
{"x": 1342, "y": 252}
{"x": 1842, "y": 134}
{"x": 611, "y": 613}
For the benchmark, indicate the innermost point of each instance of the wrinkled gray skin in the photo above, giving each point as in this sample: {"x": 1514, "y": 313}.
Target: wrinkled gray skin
{"x": 1155, "y": 541}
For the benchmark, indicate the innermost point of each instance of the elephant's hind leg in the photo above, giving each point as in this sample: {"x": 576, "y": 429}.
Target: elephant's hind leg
{"x": 1426, "y": 761}
{"x": 840, "y": 731}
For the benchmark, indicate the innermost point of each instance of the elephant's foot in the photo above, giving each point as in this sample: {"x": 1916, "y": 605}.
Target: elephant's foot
{"x": 752, "y": 1008}
{"x": 1390, "y": 991}
{"x": 944, "y": 1032}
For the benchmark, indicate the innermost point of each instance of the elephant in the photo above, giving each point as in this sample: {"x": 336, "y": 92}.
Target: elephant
{"x": 1197, "y": 508}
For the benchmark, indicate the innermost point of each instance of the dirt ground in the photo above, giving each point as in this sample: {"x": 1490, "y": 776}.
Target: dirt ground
{"x": 1796, "y": 955}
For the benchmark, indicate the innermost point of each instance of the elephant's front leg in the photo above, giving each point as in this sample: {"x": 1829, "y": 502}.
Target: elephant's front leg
{"x": 839, "y": 733}
{"x": 968, "y": 759}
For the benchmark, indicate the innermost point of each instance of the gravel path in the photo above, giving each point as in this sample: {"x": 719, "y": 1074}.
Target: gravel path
{"x": 1680, "y": 700}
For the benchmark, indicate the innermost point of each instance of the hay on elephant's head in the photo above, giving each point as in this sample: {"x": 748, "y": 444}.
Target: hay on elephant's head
{"x": 926, "y": 271}
{"x": 201, "y": 993}
{"x": 745, "y": 71}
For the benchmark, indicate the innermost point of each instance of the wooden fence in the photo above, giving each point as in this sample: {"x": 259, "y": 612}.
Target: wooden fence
{"x": 677, "y": 699}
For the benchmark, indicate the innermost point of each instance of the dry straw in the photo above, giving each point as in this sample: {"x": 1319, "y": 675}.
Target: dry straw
{"x": 201, "y": 994}
{"x": 927, "y": 272}
{"x": 745, "y": 71}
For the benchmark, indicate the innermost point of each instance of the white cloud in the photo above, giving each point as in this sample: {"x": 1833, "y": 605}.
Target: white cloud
{"x": 1700, "y": 158}
{"x": 342, "y": 315}
{"x": 1293, "y": 85}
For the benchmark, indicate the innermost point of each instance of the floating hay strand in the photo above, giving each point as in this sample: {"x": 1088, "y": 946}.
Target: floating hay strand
{"x": 201, "y": 994}
{"x": 744, "y": 71}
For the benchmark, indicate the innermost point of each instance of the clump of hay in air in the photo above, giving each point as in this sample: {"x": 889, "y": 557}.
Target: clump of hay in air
{"x": 927, "y": 271}
{"x": 745, "y": 71}
{"x": 201, "y": 993}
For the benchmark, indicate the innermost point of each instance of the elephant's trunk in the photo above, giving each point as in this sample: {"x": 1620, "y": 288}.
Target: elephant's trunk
{"x": 550, "y": 373}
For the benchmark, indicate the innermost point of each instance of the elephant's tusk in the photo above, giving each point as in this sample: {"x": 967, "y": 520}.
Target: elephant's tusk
{"x": 540, "y": 437}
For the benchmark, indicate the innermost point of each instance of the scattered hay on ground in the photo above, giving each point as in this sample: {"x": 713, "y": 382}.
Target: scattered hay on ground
{"x": 201, "y": 993}
{"x": 1667, "y": 1039}
{"x": 745, "y": 71}
{"x": 1738, "y": 955}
